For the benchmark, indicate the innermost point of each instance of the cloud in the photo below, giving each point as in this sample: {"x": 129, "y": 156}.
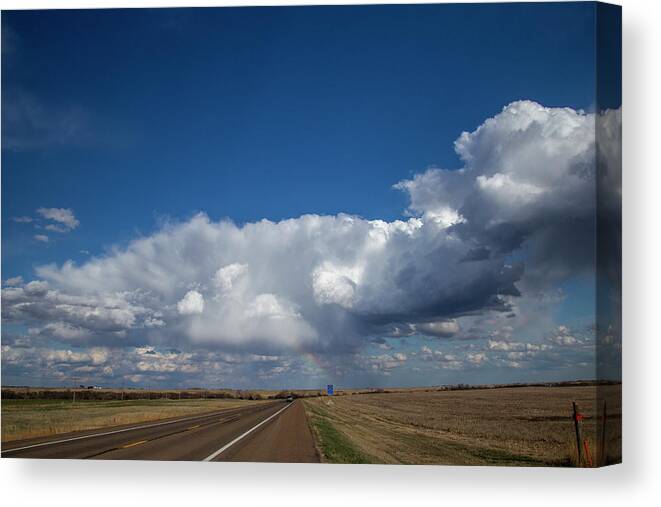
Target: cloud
{"x": 60, "y": 330}
{"x": 191, "y": 304}
{"x": 562, "y": 349}
{"x": 156, "y": 365}
{"x": 150, "y": 360}
{"x": 17, "y": 280}
{"x": 94, "y": 356}
{"x": 50, "y": 358}
{"x": 503, "y": 345}
{"x": 70, "y": 316}
{"x": 528, "y": 182}
{"x": 64, "y": 218}
{"x": 443, "y": 329}
{"x": 478, "y": 358}
{"x": 56, "y": 228}
{"x": 384, "y": 363}
{"x": 335, "y": 283}
{"x": 442, "y": 359}
{"x": 41, "y": 237}
{"x": 261, "y": 286}
{"x": 226, "y": 276}
{"x": 563, "y": 337}
{"x": 23, "y": 220}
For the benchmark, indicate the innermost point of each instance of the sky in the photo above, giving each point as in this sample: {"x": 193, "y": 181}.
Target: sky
{"x": 291, "y": 197}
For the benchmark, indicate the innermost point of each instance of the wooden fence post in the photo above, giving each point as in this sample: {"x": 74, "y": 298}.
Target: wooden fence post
{"x": 602, "y": 443}
{"x": 578, "y": 434}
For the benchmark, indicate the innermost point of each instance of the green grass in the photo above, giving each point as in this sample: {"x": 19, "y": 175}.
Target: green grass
{"x": 335, "y": 446}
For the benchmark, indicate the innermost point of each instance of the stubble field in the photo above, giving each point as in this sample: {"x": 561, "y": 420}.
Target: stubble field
{"x": 523, "y": 426}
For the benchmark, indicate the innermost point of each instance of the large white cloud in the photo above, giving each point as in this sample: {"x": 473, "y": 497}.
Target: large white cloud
{"x": 528, "y": 182}
{"x": 310, "y": 282}
{"x": 332, "y": 282}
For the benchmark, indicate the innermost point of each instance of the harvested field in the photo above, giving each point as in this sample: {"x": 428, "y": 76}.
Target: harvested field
{"x": 34, "y": 418}
{"x": 524, "y": 426}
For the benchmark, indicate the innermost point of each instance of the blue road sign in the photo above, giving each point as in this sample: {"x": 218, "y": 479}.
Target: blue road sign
{"x": 329, "y": 389}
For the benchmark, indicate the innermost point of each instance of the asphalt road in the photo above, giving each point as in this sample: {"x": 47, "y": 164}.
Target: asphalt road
{"x": 270, "y": 432}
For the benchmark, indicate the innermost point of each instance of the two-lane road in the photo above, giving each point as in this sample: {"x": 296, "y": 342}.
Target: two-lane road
{"x": 275, "y": 432}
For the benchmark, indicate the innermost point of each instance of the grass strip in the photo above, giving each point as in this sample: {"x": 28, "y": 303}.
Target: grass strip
{"x": 335, "y": 446}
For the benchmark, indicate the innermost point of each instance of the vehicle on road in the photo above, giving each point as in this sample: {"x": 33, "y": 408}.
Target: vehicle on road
{"x": 290, "y": 399}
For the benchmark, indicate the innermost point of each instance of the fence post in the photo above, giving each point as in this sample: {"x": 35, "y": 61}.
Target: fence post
{"x": 602, "y": 443}
{"x": 578, "y": 434}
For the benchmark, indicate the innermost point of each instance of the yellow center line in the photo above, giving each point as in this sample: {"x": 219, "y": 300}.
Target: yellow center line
{"x": 134, "y": 443}
{"x": 193, "y": 427}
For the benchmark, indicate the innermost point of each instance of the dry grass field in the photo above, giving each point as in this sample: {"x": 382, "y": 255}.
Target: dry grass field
{"x": 29, "y": 418}
{"x": 523, "y": 426}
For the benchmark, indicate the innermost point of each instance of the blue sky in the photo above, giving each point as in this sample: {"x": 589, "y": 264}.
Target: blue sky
{"x": 135, "y": 120}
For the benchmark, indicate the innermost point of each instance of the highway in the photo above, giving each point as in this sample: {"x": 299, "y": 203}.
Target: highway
{"x": 270, "y": 432}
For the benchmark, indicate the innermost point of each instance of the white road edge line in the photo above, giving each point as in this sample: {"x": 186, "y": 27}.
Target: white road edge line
{"x": 53, "y": 442}
{"x": 240, "y": 437}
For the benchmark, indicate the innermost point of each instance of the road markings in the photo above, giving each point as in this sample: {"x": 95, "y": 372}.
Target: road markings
{"x": 53, "y": 442}
{"x": 240, "y": 437}
{"x": 133, "y": 444}
{"x": 193, "y": 427}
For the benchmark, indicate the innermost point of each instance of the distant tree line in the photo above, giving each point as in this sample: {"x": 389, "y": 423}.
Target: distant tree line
{"x": 111, "y": 394}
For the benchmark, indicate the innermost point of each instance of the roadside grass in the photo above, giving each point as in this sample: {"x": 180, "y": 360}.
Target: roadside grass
{"x": 31, "y": 418}
{"x": 335, "y": 447}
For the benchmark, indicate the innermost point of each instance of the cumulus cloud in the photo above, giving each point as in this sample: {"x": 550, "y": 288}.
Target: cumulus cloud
{"x": 60, "y": 330}
{"x": 384, "y": 363}
{"x": 333, "y": 283}
{"x": 170, "y": 361}
{"x": 70, "y": 316}
{"x": 528, "y": 181}
{"x": 443, "y": 329}
{"x": 56, "y": 228}
{"x": 41, "y": 237}
{"x": 25, "y": 356}
{"x": 64, "y": 219}
{"x": 564, "y": 348}
{"x": 226, "y": 276}
{"x": 443, "y": 360}
{"x": 516, "y": 346}
{"x": 546, "y": 356}
{"x": 477, "y": 358}
{"x": 311, "y": 282}
{"x": 563, "y": 337}
{"x": 191, "y": 304}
